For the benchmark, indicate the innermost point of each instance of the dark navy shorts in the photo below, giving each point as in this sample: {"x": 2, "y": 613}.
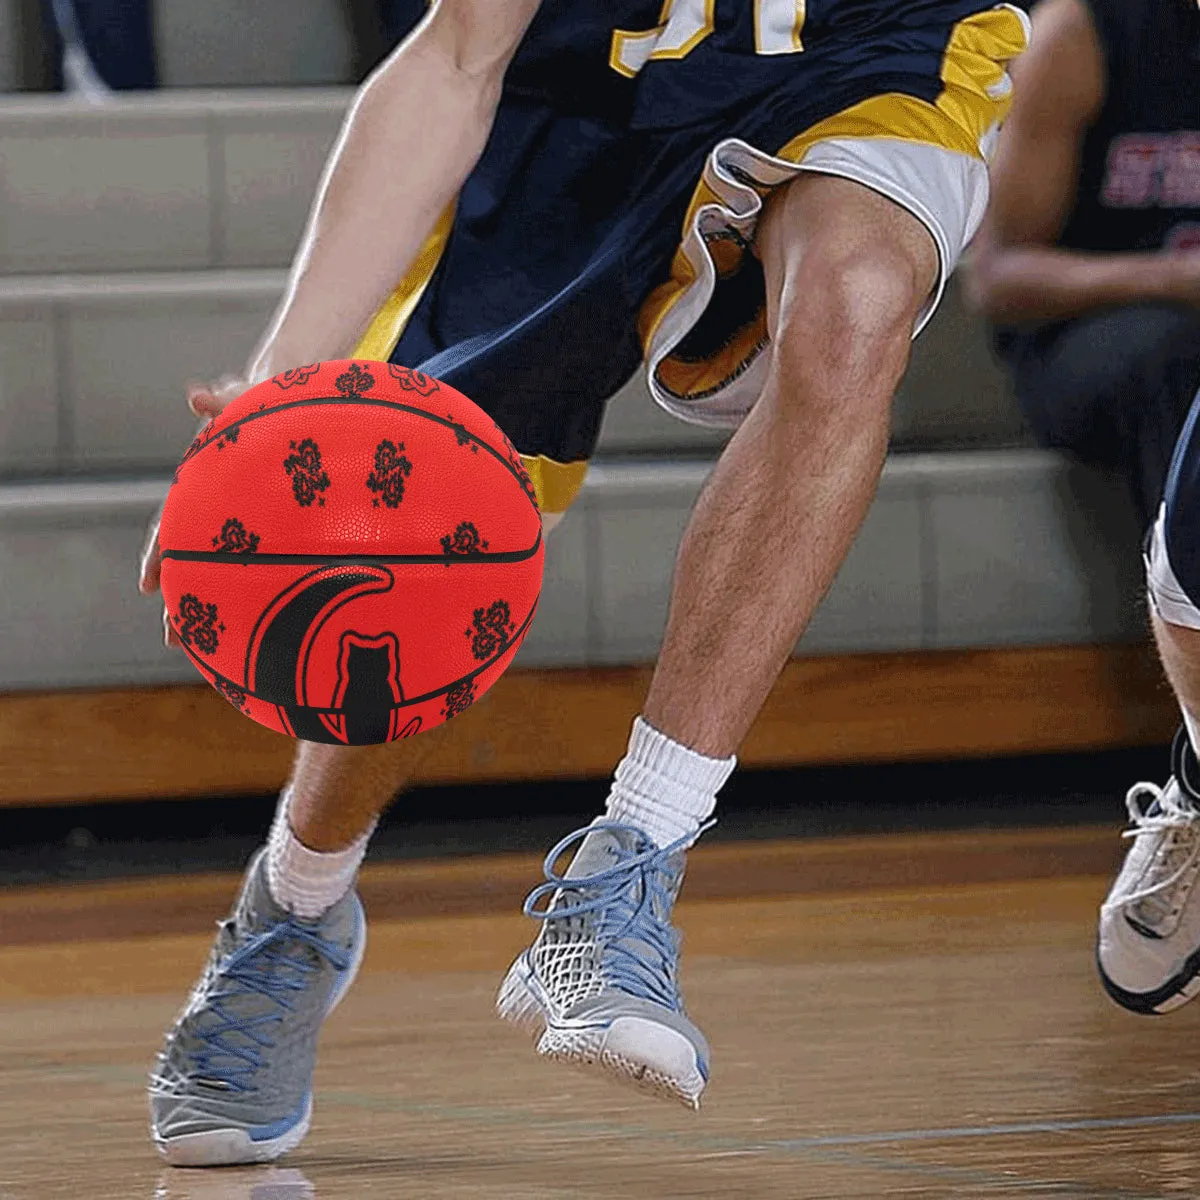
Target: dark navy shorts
{"x": 589, "y": 239}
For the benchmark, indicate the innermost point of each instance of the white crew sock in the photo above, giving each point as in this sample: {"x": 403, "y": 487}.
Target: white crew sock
{"x": 308, "y": 882}
{"x": 663, "y": 788}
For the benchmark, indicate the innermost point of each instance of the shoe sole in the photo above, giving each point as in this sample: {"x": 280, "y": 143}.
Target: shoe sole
{"x": 621, "y": 1047}
{"x": 1173, "y": 994}
{"x": 234, "y": 1146}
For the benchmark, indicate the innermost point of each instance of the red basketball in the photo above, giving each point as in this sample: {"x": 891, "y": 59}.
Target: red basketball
{"x": 351, "y": 552}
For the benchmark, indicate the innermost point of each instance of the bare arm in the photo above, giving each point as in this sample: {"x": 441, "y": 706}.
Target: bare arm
{"x": 1016, "y": 272}
{"x": 414, "y": 132}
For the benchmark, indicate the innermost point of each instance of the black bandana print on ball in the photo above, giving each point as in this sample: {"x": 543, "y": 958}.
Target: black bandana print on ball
{"x": 355, "y": 381}
{"x": 296, "y": 376}
{"x": 459, "y": 698}
{"x": 392, "y": 468}
{"x": 233, "y": 694}
{"x": 491, "y": 631}
{"x": 308, "y": 476}
{"x": 462, "y": 435}
{"x": 197, "y": 624}
{"x": 235, "y": 538}
{"x": 414, "y": 381}
{"x": 195, "y": 446}
{"x": 464, "y": 540}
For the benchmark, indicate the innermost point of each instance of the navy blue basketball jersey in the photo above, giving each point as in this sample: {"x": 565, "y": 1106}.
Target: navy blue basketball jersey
{"x": 1139, "y": 185}
{"x": 684, "y": 62}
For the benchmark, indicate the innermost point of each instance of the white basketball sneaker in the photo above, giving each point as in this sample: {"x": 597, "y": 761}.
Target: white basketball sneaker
{"x": 1148, "y": 951}
{"x": 600, "y": 982}
{"x": 233, "y": 1081}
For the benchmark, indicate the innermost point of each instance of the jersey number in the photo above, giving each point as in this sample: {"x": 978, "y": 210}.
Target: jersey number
{"x": 684, "y": 24}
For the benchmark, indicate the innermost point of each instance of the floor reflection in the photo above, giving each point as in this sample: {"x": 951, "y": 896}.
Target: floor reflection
{"x": 235, "y": 1183}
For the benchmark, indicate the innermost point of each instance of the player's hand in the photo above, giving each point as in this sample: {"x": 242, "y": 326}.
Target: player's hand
{"x": 206, "y": 401}
{"x": 1184, "y": 268}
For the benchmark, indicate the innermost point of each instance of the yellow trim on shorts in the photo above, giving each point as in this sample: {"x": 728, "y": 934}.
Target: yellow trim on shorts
{"x": 976, "y": 96}
{"x": 388, "y": 324}
{"x": 555, "y": 484}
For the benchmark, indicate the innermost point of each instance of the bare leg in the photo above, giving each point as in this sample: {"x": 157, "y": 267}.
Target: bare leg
{"x": 337, "y": 793}
{"x": 1179, "y": 649}
{"x": 847, "y": 272}
{"x": 1148, "y": 946}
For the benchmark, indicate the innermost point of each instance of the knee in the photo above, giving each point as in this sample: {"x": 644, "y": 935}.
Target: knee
{"x": 1169, "y": 596}
{"x": 1172, "y": 557}
{"x": 845, "y": 319}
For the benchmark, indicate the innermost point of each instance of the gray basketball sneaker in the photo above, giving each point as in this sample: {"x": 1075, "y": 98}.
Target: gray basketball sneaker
{"x": 1148, "y": 951}
{"x": 600, "y": 982}
{"x": 233, "y": 1081}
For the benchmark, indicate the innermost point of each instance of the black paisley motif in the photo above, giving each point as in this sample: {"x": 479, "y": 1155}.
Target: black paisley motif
{"x": 459, "y": 698}
{"x": 235, "y": 538}
{"x": 392, "y": 468}
{"x": 197, "y": 624}
{"x": 296, "y": 376}
{"x": 523, "y": 478}
{"x": 414, "y": 381}
{"x": 194, "y": 447}
{"x": 233, "y": 694}
{"x": 308, "y": 476}
{"x": 491, "y": 630}
{"x": 355, "y": 382}
{"x": 462, "y": 435}
{"x": 464, "y": 540}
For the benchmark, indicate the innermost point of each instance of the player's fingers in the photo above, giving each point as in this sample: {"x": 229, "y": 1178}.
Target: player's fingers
{"x": 170, "y": 637}
{"x": 208, "y": 400}
{"x": 151, "y": 565}
{"x": 203, "y": 402}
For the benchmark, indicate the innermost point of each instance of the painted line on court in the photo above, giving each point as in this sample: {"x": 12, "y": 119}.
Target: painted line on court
{"x": 1015, "y": 1129}
{"x": 844, "y": 1151}
{"x": 110, "y": 1073}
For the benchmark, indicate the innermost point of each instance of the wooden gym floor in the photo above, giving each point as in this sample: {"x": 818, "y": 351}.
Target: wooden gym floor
{"x": 932, "y": 1028}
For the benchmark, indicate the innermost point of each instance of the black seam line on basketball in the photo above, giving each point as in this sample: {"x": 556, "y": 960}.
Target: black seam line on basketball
{"x": 206, "y": 669}
{"x": 349, "y": 560}
{"x": 374, "y": 402}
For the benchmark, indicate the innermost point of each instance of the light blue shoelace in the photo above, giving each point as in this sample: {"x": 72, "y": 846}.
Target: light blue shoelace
{"x": 639, "y": 950}
{"x": 265, "y": 966}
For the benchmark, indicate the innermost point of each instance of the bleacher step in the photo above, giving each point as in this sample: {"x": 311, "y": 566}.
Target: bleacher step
{"x": 959, "y": 550}
{"x": 92, "y": 371}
